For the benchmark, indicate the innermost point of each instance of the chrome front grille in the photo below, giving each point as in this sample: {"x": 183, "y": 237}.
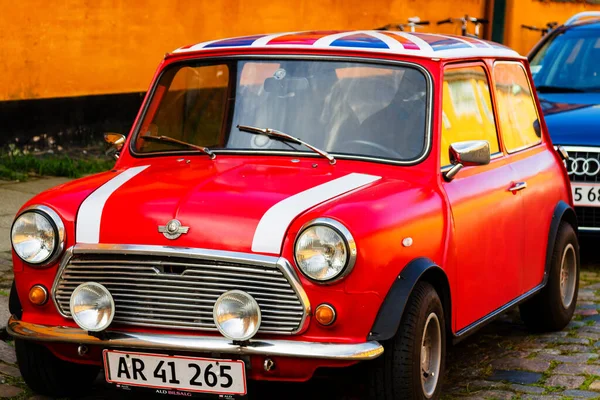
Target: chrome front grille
{"x": 583, "y": 164}
{"x": 177, "y": 288}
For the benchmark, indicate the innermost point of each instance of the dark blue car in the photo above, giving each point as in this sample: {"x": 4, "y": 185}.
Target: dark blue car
{"x": 566, "y": 70}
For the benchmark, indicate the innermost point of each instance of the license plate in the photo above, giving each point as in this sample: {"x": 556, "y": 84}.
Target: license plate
{"x": 586, "y": 194}
{"x": 191, "y": 374}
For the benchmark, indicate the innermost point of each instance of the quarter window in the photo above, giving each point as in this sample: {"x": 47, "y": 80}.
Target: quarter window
{"x": 516, "y": 107}
{"x": 467, "y": 109}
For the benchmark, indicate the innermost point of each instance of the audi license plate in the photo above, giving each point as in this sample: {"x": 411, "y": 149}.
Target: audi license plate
{"x": 586, "y": 194}
{"x": 175, "y": 374}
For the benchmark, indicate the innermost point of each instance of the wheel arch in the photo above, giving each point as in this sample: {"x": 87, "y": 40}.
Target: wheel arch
{"x": 562, "y": 212}
{"x": 392, "y": 309}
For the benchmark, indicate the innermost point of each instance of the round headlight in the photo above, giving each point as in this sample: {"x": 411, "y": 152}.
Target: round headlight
{"x": 325, "y": 250}
{"x": 237, "y": 315}
{"x": 92, "y": 306}
{"x": 37, "y": 235}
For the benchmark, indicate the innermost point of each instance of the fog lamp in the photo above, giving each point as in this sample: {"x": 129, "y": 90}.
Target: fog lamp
{"x": 92, "y": 306}
{"x": 237, "y": 315}
{"x": 38, "y": 295}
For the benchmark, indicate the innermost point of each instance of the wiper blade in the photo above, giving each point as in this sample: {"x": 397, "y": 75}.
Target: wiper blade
{"x": 278, "y": 135}
{"x": 557, "y": 89}
{"x": 168, "y": 139}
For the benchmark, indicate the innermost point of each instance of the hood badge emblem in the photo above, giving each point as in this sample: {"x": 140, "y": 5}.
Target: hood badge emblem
{"x": 173, "y": 229}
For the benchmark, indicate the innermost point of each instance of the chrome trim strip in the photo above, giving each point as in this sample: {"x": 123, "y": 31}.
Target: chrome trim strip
{"x": 290, "y": 273}
{"x": 363, "y": 59}
{"x": 61, "y": 235}
{"x": 204, "y": 344}
{"x": 173, "y": 251}
{"x": 588, "y": 229}
{"x": 488, "y": 318}
{"x": 584, "y": 149}
{"x": 195, "y": 253}
{"x": 339, "y": 227}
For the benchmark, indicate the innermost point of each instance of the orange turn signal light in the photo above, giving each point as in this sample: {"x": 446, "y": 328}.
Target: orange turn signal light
{"x": 325, "y": 314}
{"x": 38, "y": 295}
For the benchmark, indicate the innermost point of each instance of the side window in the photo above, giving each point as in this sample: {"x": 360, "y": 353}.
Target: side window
{"x": 467, "y": 109}
{"x": 516, "y": 107}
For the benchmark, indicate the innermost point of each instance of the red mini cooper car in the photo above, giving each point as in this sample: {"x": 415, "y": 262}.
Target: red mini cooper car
{"x": 291, "y": 202}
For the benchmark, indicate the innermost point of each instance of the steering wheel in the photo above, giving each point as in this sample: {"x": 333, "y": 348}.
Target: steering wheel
{"x": 379, "y": 147}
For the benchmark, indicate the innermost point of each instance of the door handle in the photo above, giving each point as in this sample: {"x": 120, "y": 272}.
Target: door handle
{"x": 517, "y": 186}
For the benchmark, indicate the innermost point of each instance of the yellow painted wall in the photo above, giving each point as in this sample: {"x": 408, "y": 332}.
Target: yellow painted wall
{"x": 536, "y": 13}
{"x": 59, "y": 48}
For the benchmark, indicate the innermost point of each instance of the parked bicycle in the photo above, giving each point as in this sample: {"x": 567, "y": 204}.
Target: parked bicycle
{"x": 411, "y": 25}
{"x": 544, "y": 31}
{"x": 464, "y": 24}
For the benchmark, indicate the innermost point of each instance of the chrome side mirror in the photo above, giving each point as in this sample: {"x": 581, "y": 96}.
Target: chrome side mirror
{"x": 465, "y": 154}
{"x": 116, "y": 141}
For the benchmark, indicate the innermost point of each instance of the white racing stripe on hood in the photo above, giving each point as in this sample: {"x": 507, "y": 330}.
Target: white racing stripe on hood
{"x": 87, "y": 228}
{"x": 271, "y": 229}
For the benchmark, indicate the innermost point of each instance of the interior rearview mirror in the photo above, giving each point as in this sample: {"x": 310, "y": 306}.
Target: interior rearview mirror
{"x": 116, "y": 141}
{"x": 469, "y": 153}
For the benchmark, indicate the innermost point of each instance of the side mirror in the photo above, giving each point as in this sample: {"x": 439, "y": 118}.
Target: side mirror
{"x": 465, "y": 154}
{"x": 562, "y": 152}
{"x": 116, "y": 141}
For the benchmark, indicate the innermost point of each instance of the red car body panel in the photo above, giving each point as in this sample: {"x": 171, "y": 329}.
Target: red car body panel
{"x": 222, "y": 201}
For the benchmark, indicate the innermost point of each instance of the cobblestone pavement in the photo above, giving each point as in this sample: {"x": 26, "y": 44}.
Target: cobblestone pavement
{"x": 502, "y": 361}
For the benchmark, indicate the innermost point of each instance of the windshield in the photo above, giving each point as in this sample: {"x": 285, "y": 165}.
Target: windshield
{"x": 344, "y": 108}
{"x": 569, "y": 61}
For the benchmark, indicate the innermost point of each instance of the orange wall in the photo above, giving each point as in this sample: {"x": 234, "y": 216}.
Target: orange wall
{"x": 64, "y": 48}
{"x": 536, "y": 13}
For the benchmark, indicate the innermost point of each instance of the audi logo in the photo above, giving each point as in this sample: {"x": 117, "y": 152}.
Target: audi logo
{"x": 583, "y": 166}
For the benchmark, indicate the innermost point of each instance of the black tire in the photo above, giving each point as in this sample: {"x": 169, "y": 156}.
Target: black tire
{"x": 48, "y": 375}
{"x": 546, "y": 311}
{"x": 397, "y": 373}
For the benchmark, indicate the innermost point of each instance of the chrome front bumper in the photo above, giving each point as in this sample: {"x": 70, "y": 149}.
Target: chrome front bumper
{"x": 202, "y": 344}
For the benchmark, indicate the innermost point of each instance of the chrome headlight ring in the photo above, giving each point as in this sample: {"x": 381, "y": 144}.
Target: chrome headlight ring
{"x": 344, "y": 234}
{"x": 59, "y": 231}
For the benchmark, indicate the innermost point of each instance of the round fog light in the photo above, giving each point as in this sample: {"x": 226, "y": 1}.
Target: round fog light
{"x": 237, "y": 315}
{"x": 92, "y": 306}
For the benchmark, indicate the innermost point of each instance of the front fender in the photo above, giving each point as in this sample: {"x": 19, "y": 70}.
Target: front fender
{"x": 390, "y": 313}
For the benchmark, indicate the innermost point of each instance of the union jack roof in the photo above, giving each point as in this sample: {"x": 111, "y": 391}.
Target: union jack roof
{"x": 428, "y": 45}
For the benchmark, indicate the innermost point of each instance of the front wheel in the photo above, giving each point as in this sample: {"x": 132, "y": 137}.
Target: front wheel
{"x": 553, "y": 307}
{"x": 412, "y": 365}
{"x": 48, "y": 375}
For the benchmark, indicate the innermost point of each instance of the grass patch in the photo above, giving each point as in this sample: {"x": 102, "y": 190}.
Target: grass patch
{"x": 4, "y": 293}
{"x": 546, "y": 374}
{"x": 22, "y": 166}
{"x": 589, "y": 379}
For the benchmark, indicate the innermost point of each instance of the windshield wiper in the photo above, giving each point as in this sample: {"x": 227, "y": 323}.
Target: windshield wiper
{"x": 557, "y": 89}
{"x": 284, "y": 137}
{"x": 167, "y": 139}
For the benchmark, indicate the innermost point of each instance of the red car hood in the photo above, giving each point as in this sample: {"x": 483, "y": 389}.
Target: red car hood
{"x": 226, "y": 204}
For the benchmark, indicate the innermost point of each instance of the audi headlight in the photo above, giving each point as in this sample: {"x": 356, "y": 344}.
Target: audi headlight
{"x": 38, "y": 235}
{"x": 325, "y": 250}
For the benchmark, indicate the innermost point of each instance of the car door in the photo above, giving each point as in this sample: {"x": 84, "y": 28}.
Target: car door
{"x": 534, "y": 165}
{"x": 487, "y": 224}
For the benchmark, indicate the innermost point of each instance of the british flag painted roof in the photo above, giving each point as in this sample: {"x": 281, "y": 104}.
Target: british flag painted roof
{"x": 417, "y": 44}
